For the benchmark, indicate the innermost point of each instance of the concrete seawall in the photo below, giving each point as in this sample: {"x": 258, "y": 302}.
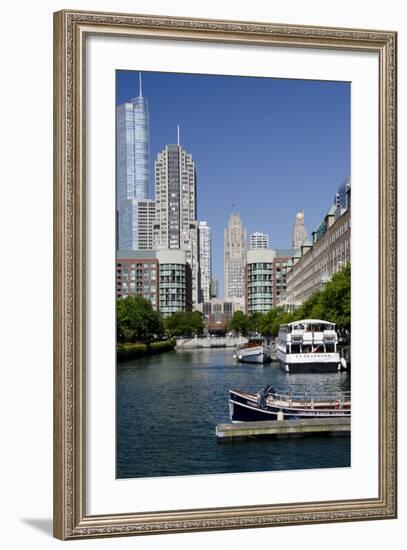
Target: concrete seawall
{"x": 201, "y": 343}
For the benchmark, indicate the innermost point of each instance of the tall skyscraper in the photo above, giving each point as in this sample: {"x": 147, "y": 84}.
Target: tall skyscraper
{"x": 132, "y": 167}
{"x": 259, "y": 241}
{"x": 235, "y": 259}
{"x": 205, "y": 259}
{"x": 176, "y": 226}
{"x": 299, "y": 230}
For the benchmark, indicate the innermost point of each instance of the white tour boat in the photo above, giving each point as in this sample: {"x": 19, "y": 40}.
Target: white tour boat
{"x": 309, "y": 345}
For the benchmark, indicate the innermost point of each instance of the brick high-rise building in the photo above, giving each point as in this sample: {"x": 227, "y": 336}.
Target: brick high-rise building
{"x": 161, "y": 276}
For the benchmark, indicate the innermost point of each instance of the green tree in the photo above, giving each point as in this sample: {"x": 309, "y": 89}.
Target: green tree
{"x": 311, "y": 308}
{"x": 254, "y": 322}
{"x": 271, "y": 321}
{"x": 184, "y": 323}
{"x": 336, "y": 298}
{"x": 136, "y": 320}
{"x": 332, "y": 303}
{"x": 239, "y": 323}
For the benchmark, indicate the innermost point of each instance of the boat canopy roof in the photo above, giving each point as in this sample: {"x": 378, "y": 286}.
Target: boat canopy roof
{"x": 310, "y": 322}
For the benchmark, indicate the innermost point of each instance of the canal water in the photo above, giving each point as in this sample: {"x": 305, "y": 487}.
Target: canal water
{"x": 168, "y": 406}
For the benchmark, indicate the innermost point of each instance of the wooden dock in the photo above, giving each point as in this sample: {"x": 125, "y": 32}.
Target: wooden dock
{"x": 285, "y": 428}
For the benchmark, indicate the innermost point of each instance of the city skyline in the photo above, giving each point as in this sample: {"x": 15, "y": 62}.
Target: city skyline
{"x": 295, "y": 134}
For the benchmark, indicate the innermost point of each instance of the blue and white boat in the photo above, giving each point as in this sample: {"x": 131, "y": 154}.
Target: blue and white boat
{"x": 271, "y": 404}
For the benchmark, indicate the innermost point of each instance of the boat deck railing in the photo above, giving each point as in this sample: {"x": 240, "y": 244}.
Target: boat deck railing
{"x": 309, "y": 404}
{"x": 305, "y": 399}
{"x": 310, "y": 337}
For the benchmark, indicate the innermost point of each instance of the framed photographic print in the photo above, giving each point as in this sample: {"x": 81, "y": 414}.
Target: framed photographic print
{"x": 225, "y": 274}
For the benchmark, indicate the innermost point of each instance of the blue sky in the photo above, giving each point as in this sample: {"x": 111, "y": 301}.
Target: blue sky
{"x": 269, "y": 146}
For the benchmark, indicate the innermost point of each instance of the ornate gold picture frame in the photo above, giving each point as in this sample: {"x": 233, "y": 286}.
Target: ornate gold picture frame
{"x": 72, "y": 519}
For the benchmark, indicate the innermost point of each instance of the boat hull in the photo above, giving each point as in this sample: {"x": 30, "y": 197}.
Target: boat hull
{"x": 248, "y": 407}
{"x": 301, "y": 363}
{"x": 253, "y": 355}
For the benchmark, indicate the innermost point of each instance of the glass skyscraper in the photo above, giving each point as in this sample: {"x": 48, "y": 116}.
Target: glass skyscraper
{"x": 132, "y": 166}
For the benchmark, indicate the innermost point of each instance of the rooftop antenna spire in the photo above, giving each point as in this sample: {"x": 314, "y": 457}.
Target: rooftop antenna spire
{"x": 177, "y": 134}
{"x": 140, "y": 85}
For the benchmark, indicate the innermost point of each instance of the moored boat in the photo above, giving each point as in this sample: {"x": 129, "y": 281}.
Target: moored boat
{"x": 271, "y": 404}
{"x": 309, "y": 345}
{"x": 255, "y": 351}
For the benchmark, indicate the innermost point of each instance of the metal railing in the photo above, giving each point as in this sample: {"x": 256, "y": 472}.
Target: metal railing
{"x": 306, "y": 396}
